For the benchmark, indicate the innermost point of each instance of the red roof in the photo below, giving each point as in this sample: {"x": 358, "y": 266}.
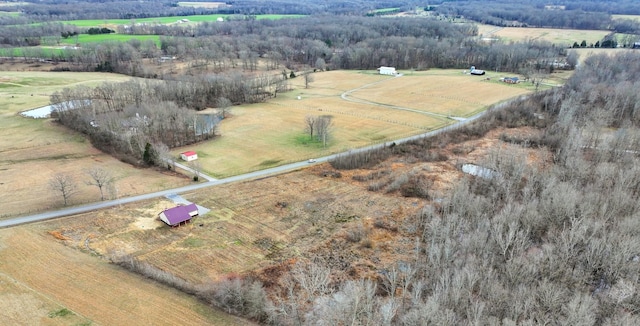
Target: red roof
{"x": 189, "y": 153}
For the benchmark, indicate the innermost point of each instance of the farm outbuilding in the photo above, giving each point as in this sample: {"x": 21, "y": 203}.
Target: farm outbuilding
{"x": 189, "y": 156}
{"x": 475, "y": 71}
{"x": 178, "y": 215}
{"x": 511, "y": 80}
{"x": 387, "y": 71}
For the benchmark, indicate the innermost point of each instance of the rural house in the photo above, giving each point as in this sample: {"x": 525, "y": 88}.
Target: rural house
{"x": 387, "y": 71}
{"x": 511, "y": 80}
{"x": 178, "y": 215}
{"x": 189, "y": 156}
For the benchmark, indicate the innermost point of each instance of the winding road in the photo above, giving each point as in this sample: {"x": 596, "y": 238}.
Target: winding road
{"x": 211, "y": 182}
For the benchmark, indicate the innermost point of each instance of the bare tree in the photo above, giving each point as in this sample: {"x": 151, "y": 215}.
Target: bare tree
{"x": 308, "y": 78}
{"x": 65, "y": 185}
{"x": 323, "y": 127}
{"x": 196, "y": 168}
{"x": 223, "y": 104}
{"x": 310, "y": 124}
{"x": 100, "y": 178}
{"x": 321, "y": 64}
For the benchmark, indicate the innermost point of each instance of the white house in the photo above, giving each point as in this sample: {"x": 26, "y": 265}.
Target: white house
{"x": 189, "y": 156}
{"x": 387, "y": 71}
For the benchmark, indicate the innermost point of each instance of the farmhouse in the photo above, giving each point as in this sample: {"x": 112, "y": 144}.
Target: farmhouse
{"x": 189, "y": 156}
{"x": 387, "y": 71}
{"x": 178, "y": 215}
{"x": 636, "y": 45}
{"x": 511, "y": 80}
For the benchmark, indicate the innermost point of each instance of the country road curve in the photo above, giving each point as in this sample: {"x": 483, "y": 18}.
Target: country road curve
{"x": 242, "y": 177}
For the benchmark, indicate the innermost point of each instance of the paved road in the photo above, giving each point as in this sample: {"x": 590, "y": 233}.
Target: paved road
{"x": 243, "y": 177}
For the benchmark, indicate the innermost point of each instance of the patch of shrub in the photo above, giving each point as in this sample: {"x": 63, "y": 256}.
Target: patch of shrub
{"x": 417, "y": 186}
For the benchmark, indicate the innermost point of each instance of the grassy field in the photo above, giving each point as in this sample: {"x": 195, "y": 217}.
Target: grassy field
{"x": 266, "y": 134}
{"x": 255, "y": 136}
{"x": 162, "y": 20}
{"x": 560, "y": 37}
{"x": 100, "y": 38}
{"x": 631, "y": 17}
{"x": 33, "y": 150}
{"x": 200, "y": 4}
{"x": 58, "y": 285}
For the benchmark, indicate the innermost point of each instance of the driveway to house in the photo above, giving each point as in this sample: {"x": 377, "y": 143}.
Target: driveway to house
{"x": 211, "y": 182}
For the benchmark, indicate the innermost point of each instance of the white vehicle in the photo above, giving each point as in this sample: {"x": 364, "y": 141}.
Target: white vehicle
{"x": 312, "y": 160}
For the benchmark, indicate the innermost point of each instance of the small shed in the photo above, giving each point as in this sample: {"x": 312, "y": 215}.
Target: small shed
{"x": 387, "y": 71}
{"x": 189, "y": 156}
{"x": 177, "y": 215}
{"x": 475, "y": 71}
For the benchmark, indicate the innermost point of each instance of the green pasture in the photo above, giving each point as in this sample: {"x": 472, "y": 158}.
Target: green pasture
{"x": 165, "y": 20}
{"x": 101, "y": 38}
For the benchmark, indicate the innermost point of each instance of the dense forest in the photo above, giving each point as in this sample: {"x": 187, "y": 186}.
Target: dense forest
{"x": 566, "y": 14}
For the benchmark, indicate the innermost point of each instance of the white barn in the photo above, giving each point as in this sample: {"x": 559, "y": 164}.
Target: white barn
{"x": 189, "y": 156}
{"x": 387, "y": 71}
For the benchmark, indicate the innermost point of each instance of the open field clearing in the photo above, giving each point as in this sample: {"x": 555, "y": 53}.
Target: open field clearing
{"x": 560, "y": 37}
{"x": 584, "y": 53}
{"x": 57, "y": 285}
{"x": 631, "y": 17}
{"x": 99, "y": 38}
{"x": 33, "y": 150}
{"x": 200, "y": 4}
{"x": 163, "y": 20}
{"x": 262, "y": 135}
{"x": 444, "y": 93}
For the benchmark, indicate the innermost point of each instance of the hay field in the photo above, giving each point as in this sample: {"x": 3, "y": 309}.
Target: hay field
{"x": 265, "y": 134}
{"x": 58, "y": 285}
{"x": 33, "y": 150}
{"x": 560, "y": 37}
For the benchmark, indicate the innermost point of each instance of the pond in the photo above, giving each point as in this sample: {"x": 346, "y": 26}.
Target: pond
{"x": 39, "y": 113}
{"x": 45, "y": 111}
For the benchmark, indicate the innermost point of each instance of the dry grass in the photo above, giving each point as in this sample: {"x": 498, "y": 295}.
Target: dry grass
{"x": 273, "y": 132}
{"x": 560, "y": 37}
{"x": 631, "y": 17}
{"x": 33, "y": 150}
{"x": 91, "y": 289}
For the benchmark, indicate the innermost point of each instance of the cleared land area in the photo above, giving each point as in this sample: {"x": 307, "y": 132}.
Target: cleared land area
{"x": 631, "y": 17}
{"x": 560, "y": 37}
{"x": 57, "y": 285}
{"x": 33, "y": 150}
{"x": 262, "y": 135}
{"x": 200, "y": 4}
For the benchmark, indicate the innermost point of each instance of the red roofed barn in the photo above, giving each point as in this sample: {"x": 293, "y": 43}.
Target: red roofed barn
{"x": 189, "y": 156}
{"x": 179, "y": 214}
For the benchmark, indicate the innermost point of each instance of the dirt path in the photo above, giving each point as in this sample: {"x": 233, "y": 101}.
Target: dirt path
{"x": 94, "y": 289}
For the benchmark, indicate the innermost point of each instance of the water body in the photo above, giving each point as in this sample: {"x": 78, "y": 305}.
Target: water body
{"x": 39, "y": 113}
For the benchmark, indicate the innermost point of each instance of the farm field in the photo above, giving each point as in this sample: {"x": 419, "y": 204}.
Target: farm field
{"x": 262, "y": 135}
{"x": 33, "y": 150}
{"x": 560, "y": 37}
{"x": 162, "y": 20}
{"x": 99, "y": 38}
{"x": 58, "y": 285}
{"x": 200, "y": 4}
{"x": 631, "y": 17}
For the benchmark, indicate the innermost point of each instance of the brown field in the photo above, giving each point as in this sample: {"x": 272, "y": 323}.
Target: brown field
{"x": 560, "y": 37}
{"x": 585, "y": 53}
{"x": 253, "y": 225}
{"x": 264, "y": 134}
{"x": 33, "y": 150}
{"x": 40, "y": 277}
